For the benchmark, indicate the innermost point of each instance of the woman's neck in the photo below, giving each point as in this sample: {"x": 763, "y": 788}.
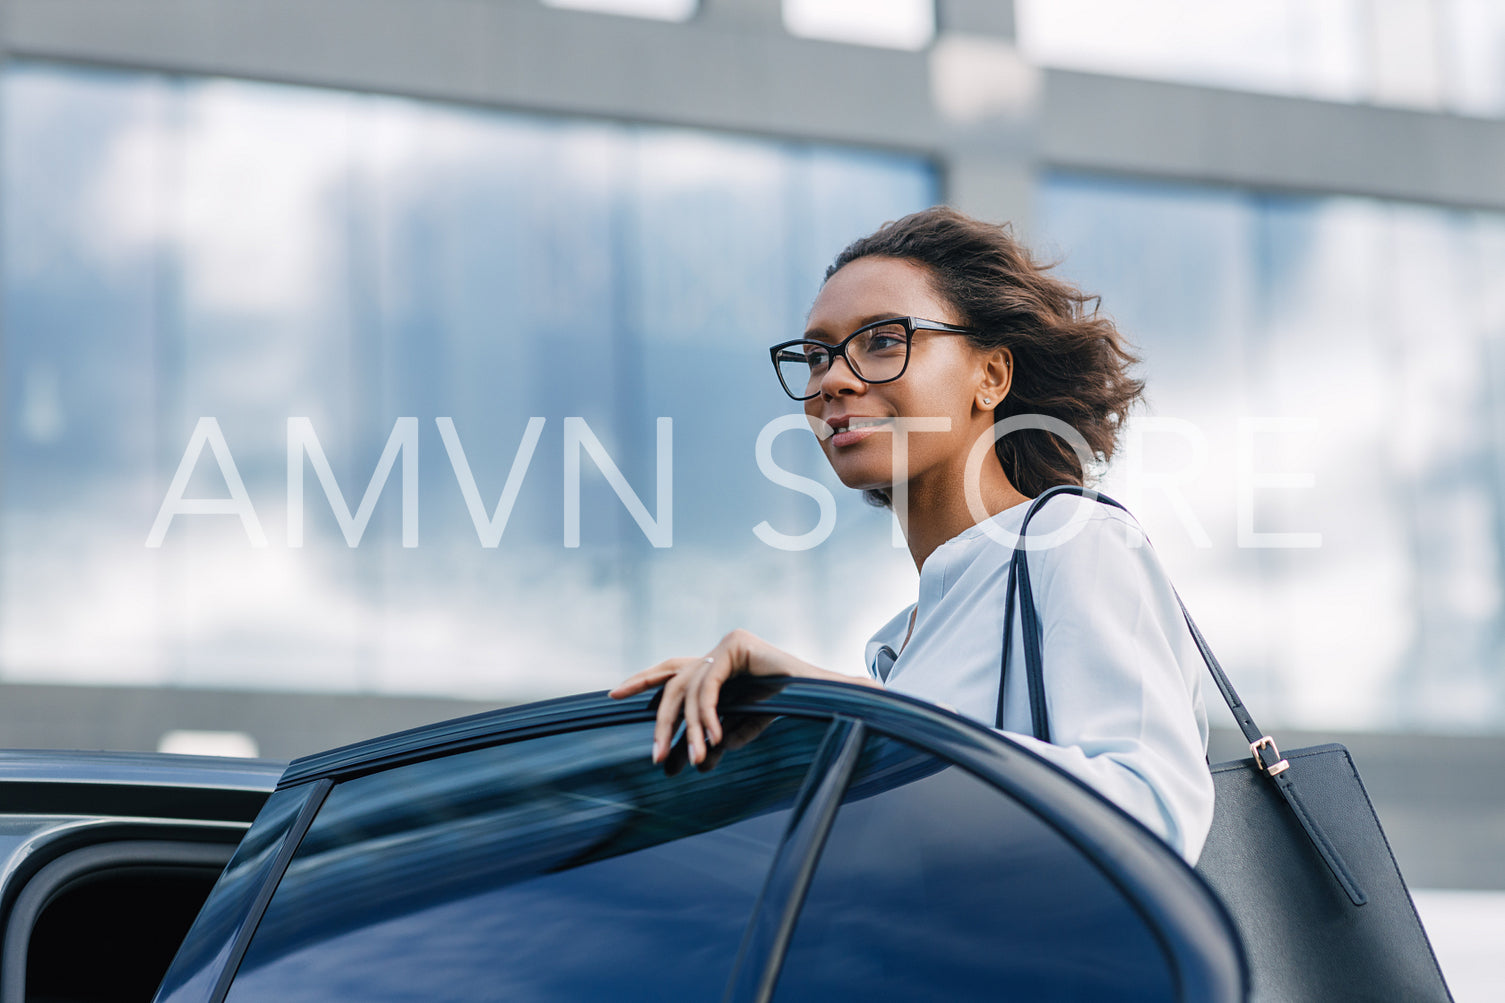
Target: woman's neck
{"x": 937, "y": 512}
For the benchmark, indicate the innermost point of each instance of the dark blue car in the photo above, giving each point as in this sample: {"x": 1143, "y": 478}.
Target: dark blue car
{"x": 105, "y": 859}
{"x": 846, "y": 844}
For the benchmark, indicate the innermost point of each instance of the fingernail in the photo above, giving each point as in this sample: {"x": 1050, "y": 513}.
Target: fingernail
{"x": 658, "y": 750}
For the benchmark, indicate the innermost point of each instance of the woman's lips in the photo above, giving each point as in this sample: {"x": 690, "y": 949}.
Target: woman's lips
{"x": 852, "y": 436}
{"x": 856, "y": 430}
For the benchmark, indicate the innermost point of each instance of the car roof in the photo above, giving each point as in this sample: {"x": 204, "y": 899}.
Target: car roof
{"x": 782, "y": 695}
{"x": 160, "y": 769}
{"x": 39, "y": 784}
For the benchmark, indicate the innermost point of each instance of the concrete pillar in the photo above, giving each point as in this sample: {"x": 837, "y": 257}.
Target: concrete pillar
{"x": 991, "y": 189}
{"x": 988, "y": 98}
{"x": 758, "y": 15}
{"x": 994, "y": 18}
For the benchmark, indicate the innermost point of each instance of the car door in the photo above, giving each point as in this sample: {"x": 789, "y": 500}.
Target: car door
{"x": 847, "y": 843}
{"x": 565, "y": 866}
{"x": 933, "y": 884}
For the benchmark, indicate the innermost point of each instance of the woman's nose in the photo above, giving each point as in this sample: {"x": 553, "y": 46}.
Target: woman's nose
{"x": 840, "y": 379}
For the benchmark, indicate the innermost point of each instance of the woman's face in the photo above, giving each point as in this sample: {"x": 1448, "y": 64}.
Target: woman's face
{"x": 946, "y": 378}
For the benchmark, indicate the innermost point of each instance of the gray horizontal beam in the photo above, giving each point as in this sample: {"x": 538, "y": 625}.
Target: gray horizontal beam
{"x": 134, "y": 718}
{"x": 733, "y": 68}
{"x": 1114, "y": 125}
{"x": 718, "y": 70}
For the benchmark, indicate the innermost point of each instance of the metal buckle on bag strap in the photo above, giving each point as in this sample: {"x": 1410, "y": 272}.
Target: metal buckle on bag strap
{"x": 1278, "y": 766}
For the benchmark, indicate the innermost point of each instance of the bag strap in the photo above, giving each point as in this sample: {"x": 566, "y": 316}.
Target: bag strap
{"x": 1261, "y": 746}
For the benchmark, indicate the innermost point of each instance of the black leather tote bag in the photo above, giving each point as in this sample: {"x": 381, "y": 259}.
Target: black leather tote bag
{"x": 1295, "y": 852}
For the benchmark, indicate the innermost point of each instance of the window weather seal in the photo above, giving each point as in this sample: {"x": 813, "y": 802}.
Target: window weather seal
{"x": 118, "y": 856}
{"x": 285, "y": 853}
{"x": 771, "y": 925}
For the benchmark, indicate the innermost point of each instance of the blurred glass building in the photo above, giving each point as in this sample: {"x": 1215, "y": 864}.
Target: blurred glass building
{"x": 181, "y": 248}
{"x": 363, "y": 363}
{"x": 514, "y": 237}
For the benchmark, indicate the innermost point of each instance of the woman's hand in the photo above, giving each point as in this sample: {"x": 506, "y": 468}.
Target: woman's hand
{"x": 692, "y": 686}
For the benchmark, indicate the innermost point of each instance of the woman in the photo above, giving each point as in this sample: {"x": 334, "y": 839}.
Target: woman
{"x": 939, "y": 316}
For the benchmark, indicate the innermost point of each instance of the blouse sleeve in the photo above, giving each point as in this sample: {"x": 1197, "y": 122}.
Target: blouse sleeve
{"x": 1122, "y": 680}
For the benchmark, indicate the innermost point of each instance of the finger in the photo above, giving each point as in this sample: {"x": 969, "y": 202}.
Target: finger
{"x": 708, "y": 693}
{"x": 652, "y": 676}
{"x": 740, "y": 730}
{"x": 712, "y": 758}
{"x": 645, "y": 680}
{"x": 668, "y": 716}
{"x": 694, "y": 728}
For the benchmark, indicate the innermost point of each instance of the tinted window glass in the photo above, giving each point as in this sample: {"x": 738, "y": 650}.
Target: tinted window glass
{"x": 206, "y": 949}
{"x": 566, "y": 867}
{"x": 936, "y": 885}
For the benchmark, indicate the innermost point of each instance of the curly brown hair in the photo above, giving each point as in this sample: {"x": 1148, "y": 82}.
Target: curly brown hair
{"x": 1070, "y": 362}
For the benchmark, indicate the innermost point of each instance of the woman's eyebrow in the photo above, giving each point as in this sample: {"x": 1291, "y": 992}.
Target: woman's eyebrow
{"x": 819, "y": 334}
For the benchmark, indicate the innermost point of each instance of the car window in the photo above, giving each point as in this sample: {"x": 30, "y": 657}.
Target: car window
{"x": 206, "y": 949}
{"x": 936, "y": 885}
{"x": 564, "y": 867}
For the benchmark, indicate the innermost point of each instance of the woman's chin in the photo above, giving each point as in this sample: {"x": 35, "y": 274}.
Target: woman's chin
{"x": 858, "y": 479}
{"x": 859, "y": 466}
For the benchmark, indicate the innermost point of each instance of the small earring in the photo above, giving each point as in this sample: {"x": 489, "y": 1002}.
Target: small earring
{"x": 987, "y": 401}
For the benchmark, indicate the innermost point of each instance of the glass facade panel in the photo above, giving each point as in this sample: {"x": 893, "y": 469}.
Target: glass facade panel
{"x": 1281, "y": 45}
{"x": 498, "y": 294}
{"x": 1320, "y": 464}
{"x": 893, "y": 24}
{"x": 1430, "y": 54}
{"x": 1475, "y": 44}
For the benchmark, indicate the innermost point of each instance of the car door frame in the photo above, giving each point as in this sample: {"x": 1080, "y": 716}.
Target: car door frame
{"x": 1190, "y": 923}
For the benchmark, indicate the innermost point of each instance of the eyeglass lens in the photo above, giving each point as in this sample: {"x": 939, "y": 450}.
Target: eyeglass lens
{"x": 875, "y": 355}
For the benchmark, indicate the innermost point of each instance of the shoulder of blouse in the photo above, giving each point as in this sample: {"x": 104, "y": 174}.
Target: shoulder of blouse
{"x": 1107, "y": 555}
{"x": 1099, "y": 525}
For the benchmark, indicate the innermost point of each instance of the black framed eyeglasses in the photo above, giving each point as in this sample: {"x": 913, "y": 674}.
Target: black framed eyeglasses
{"x": 876, "y": 353}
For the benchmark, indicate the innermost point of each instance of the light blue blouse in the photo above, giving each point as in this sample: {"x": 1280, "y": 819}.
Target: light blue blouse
{"x": 1123, "y": 677}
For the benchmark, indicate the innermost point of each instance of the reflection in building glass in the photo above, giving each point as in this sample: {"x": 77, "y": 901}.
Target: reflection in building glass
{"x": 1362, "y": 339}
{"x": 1429, "y": 54}
{"x": 892, "y": 24}
{"x": 181, "y": 248}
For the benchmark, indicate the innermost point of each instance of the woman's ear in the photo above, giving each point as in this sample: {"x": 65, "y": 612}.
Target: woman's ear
{"x": 997, "y": 377}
